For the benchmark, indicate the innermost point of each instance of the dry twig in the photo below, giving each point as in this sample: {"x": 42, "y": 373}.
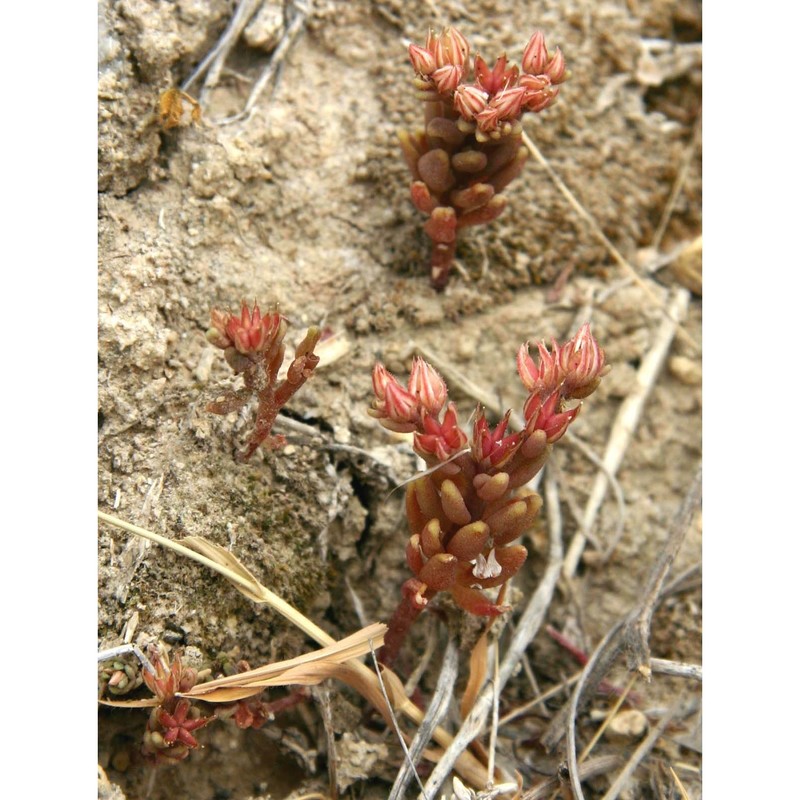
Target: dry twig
{"x": 409, "y": 762}
{"x": 637, "y": 629}
{"x": 631, "y": 632}
{"x": 676, "y": 669}
{"x": 433, "y": 716}
{"x": 626, "y": 422}
{"x": 591, "y": 769}
{"x": 215, "y": 59}
{"x": 294, "y": 29}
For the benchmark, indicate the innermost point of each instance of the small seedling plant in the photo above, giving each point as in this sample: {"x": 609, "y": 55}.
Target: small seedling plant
{"x": 254, "y": 348}
{"x": 471, "y": 146}
{"x": 466, "y": 511}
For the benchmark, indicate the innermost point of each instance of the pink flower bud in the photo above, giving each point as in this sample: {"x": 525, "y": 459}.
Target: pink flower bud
{"x": 487, "y": 120}
{"x": 556, "y": 69}
{"x": 394, "y": 405}
{"x": 249, "y": 333}
{"x": 509, "y": 102}
{"x": 534, "y": 57}
{"x": 421, "y": 59}
{"x": 447, "y": 78}
{"x": 469, "y": 101}
{"x": 216, "y": 333}
{"x": 544, "y": 378}
{"x": 545, "y": 416}
{"x": 492, "y": 448}
{"x": 538, "y": 101}
{"x": 583, "y": 363}
{"x": 451, "y": 48}
{"x": 426, "y": 383}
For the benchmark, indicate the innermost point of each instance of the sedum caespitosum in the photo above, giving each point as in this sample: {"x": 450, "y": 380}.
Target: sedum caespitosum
{"x": 254, "y": 348}
{"x": 471, "y": 146}
{"x": 468, "y": 509}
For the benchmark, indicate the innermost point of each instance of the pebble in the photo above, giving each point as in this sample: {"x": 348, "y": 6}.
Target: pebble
{"x": 686, "y": 370}
{"x": 628, "y": 724}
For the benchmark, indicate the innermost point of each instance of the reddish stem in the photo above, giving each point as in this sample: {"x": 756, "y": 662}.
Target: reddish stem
{"x": 441, "y": 261}
{"x": 407, "y": 611}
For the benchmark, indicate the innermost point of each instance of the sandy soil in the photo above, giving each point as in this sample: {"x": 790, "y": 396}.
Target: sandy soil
{"x": 306, "y": 204}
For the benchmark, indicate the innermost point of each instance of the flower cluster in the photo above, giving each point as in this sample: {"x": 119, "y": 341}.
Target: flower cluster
{"x": 466, "y": 511}
{"x": 254, "y": 348}
{"x": 169, "y": 734}
{"x": 470, "y": 148}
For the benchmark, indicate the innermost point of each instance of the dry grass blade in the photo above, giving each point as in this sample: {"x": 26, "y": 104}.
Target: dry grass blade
{"x": 147, "y": 702}
{"x": 308, "y": 669}
{"x": 477, "y": 673}
{"x": 681, "y": 789}
{"x": 227, "y": 565}
{"x": 353, "y": 672}
{"x": 607, "y": 721}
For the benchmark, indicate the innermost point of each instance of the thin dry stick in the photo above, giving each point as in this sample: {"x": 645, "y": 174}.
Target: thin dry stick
{"x": 433, "y": 716}
{"x": 607, "y": 721}
{"x": 676, "y": 669}
{"x": 637, "y": 628}
{"x": 527, "y": 628}
{"x": 681, "y": 789}
{"x": 677, "y": 187}
{"x": 598, "y": 232}
{"x": 295, "y": 27}
{"x": 626, "y": 634}
{"x": 641, "y": 751}
{"x": 394, "y": 721}
{"x": 626, "y": 422}
{"x": 591, "y": 769}
{"x": 495, "y": 716}
{"x": 595, "y": 669}
{"x": 216, "y": 57}
{"x": 322, "y": 696}
{"x": 616, "y": 488}
{"x": 557, "y": 689}
{"x": 422, "y": 664}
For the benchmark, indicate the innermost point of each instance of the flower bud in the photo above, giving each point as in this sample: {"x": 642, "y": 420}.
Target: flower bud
{"x": 421, "y": 59}
{"x": 447, "y": 78}
{"x": 451, "y": 48}
{"x": 469, "y": 101}
{"x": 487, "y": 120}
{"x": 509, "y": 102}
{"x": 556, "y": 69}
{"x": 544, "y": 378}
{"x": 534, "y": 57}
{"x": 426, "y": 383}
{"x": 582, "y": 361}
{"x": 394, "y": 405}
